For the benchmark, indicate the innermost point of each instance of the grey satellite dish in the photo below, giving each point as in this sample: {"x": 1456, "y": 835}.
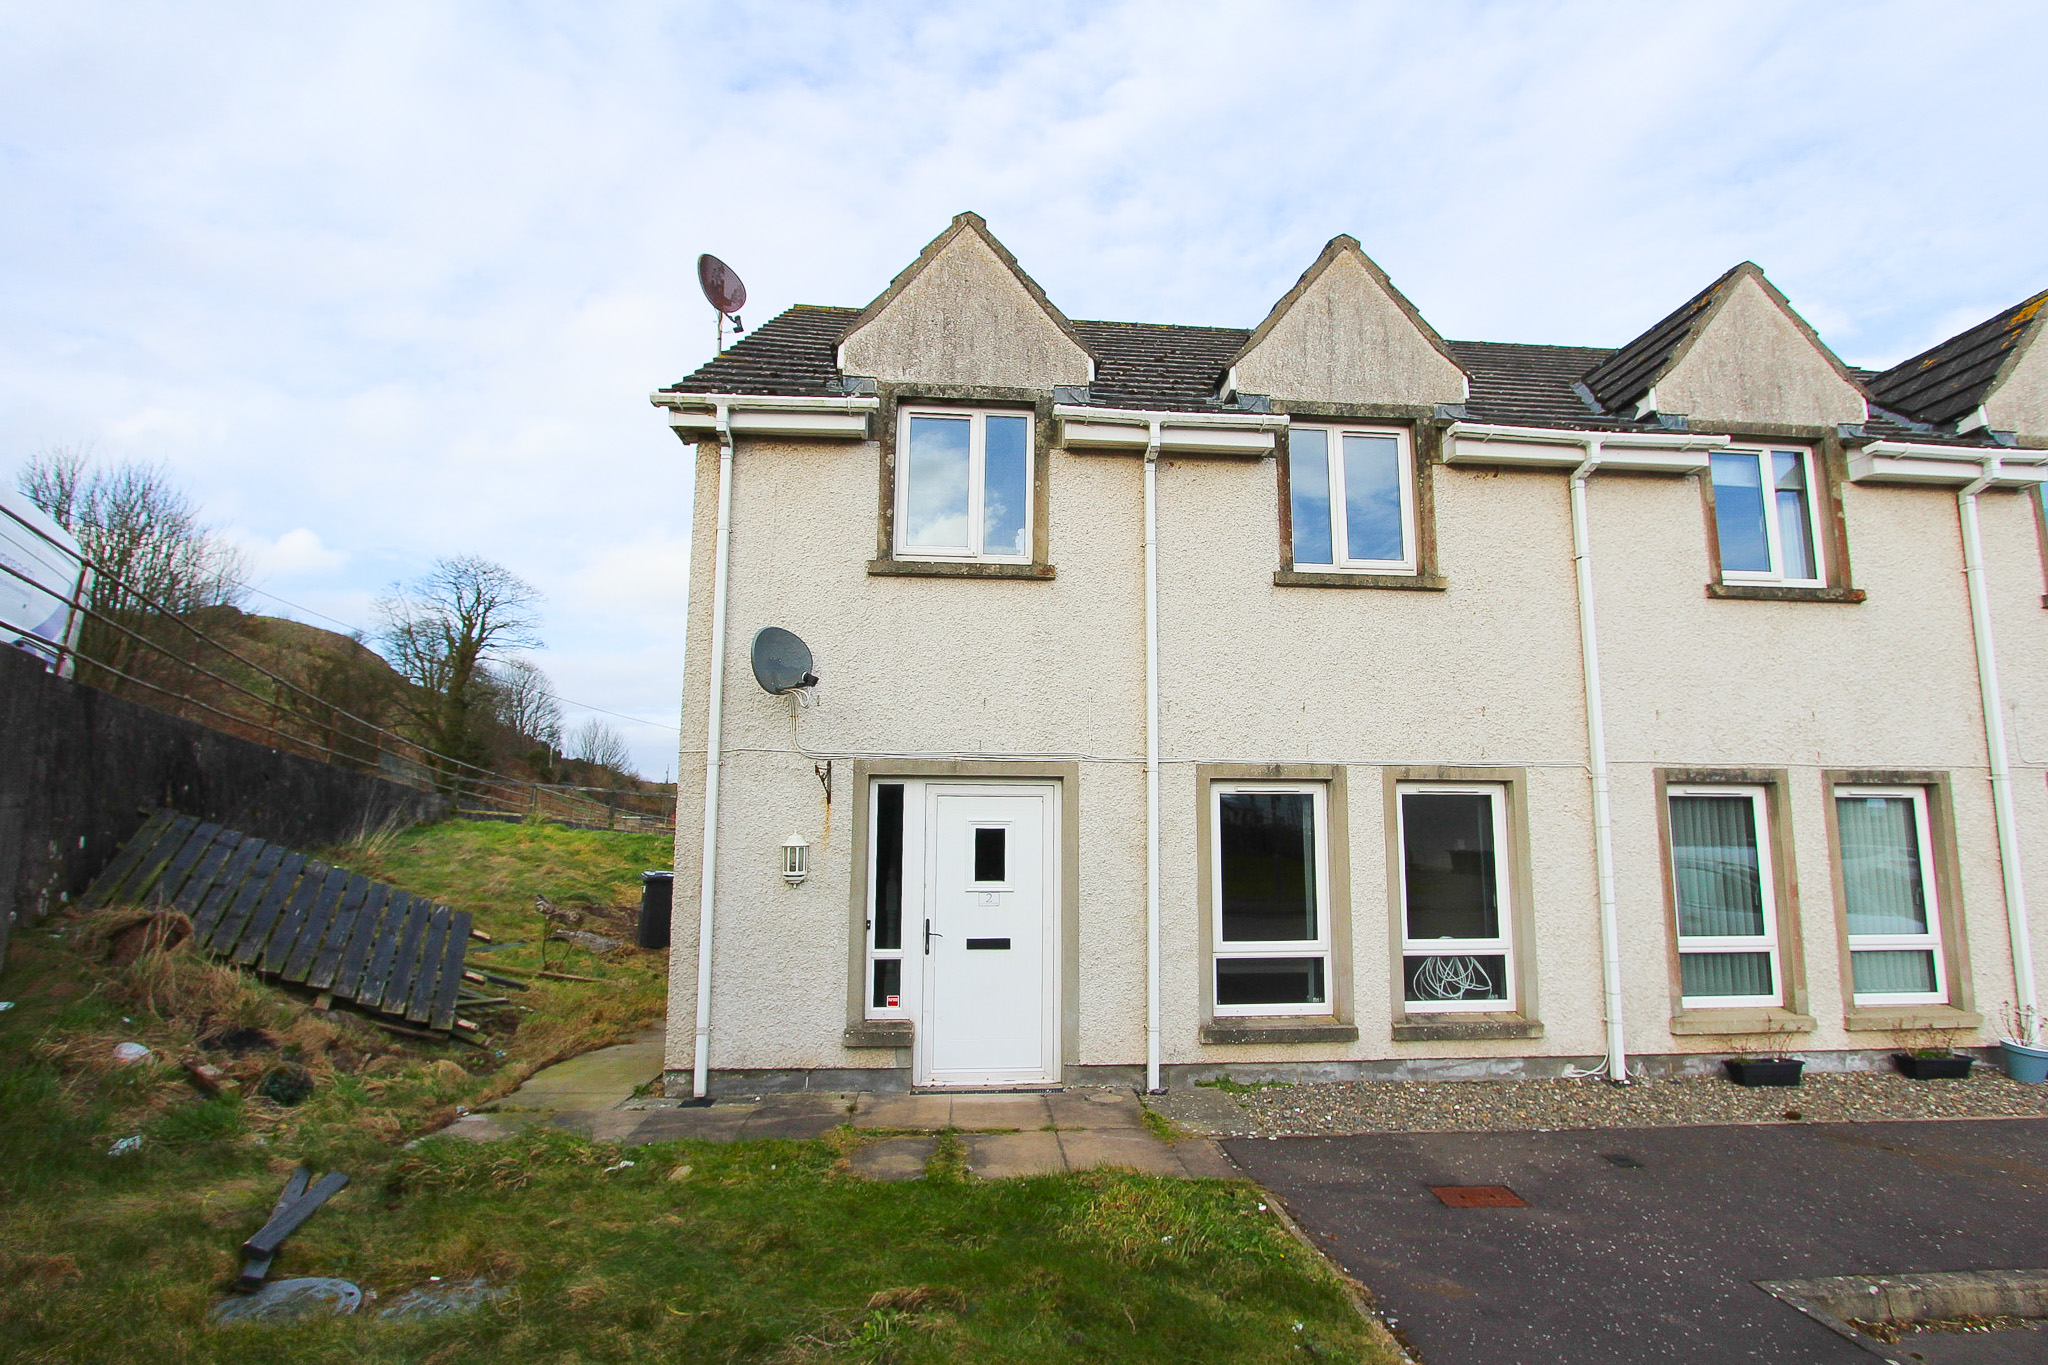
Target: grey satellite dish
{"x": 722, "y": 290}
{"x": 782, "y": 662}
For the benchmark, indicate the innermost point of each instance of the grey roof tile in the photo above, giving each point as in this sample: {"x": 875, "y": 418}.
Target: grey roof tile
{"x": 1950, "y": 381}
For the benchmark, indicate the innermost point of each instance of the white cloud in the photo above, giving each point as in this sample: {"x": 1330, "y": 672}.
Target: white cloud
{"x": 400, "y": 276}
{"x": 298, "y": 553}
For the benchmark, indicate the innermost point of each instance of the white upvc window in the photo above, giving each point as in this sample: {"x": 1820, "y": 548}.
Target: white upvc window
{"x": 1726, "y": 896}
{"x": 1272, "y": 897}
{"x": 1767, "y": 517}
{"x": 1895, "y": 955}
{"x": 1456, "y": 948}
{"x": 963, "y": 485}
{"x": 1351, "y": 495}
{"x": 884, "y": 993}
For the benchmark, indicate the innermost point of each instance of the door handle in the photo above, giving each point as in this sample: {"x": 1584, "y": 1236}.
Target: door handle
{"x": 928, "y": 937}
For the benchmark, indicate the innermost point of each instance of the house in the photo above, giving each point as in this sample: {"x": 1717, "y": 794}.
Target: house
{"x": 1332, "y": 700}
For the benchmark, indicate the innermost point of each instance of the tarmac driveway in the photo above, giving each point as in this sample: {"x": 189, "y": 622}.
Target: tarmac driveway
{"x": 1613, "y": 1262}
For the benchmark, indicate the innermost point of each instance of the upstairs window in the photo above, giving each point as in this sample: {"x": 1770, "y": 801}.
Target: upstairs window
{"x": 963, "y": 485}
{"x": 1352, "y": 495}
{"x": 1766, "y": 517}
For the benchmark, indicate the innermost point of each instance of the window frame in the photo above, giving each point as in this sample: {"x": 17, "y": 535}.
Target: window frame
{"x": 1334, "y": 431}
{"x": 1816, "y": 489}
{"x": 975, "y": 552}
{"x": 1503, "y": 944}
{"x": 1322, "y": 946}
{"x": 912, "y": 823}
{"x": 1933, "y": 940}
{"x": 1759, "y": 797}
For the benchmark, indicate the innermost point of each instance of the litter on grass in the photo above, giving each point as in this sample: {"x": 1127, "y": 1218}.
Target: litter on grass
{"x": 128, "y": 1054}
{"x": 289, "y": 1301}
{"x": 126, "y": 1145}
{"x": 617, "y": 1166}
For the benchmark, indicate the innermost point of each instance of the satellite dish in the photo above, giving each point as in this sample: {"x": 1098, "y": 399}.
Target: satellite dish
{"x": 782, "y": 662}
{"x": 721, "y": 286}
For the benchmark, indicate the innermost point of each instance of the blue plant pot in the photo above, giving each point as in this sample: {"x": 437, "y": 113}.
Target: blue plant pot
{"x": 2027, "y": 1065}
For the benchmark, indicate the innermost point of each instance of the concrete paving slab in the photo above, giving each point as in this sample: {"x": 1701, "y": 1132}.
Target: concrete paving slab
{"x": 902, "y": 1158}
{"x": 1205, "y": 1159}
{"x": 1096, "y": 1109}
{"x": 1000, "y": 1156}
{"x": 715, "y": 1124}
{"x": 1115, "y": 1147}
{"x": 486, "y": 1127}
{"x": 766, "y": 1124}
{"x": 596, "y": 1080}
{"x": 982, "y": 1112}
{"x": 901, "y": 1110}
{"x": 1645, "y": 1244}
{"x": 1201, "y": 1109}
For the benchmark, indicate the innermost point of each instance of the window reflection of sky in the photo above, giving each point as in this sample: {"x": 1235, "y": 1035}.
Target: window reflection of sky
{"x": 935, "y": 500}
{"x": 1006, "y": 485}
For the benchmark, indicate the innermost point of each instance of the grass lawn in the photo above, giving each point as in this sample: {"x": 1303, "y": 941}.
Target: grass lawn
{"x": 766, "y": 1251}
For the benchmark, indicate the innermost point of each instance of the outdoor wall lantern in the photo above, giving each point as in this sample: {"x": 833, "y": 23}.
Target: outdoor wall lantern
{"x": 796, "y": 859}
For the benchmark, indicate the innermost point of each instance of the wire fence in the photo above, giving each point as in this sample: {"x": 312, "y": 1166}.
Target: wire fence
{"x": 297, "y": 718}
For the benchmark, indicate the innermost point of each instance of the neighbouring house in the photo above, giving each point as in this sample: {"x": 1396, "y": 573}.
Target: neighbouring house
{"x": 1332, "y": 700}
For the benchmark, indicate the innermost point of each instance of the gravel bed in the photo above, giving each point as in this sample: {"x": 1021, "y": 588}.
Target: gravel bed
{"x": 1539, "y": 1105}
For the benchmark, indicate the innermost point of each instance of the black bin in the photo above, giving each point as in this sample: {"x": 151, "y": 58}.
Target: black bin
{"x": 657, "y": 895}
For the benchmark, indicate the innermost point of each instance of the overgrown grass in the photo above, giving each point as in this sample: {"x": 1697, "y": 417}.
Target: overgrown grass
{"x": 767, "y": 1251}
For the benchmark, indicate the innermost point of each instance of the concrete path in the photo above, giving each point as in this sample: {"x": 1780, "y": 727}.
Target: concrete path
{"x": 1005, "y": 1133}
{"x": 1645, "y": 1244}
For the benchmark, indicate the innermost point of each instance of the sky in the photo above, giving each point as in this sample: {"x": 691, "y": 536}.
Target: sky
{"x": 381, "y": 283}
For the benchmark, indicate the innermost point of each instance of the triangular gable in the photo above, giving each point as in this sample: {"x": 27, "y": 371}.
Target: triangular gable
{"x": 1994, "y": 367}
{"x": 1735, "y": 353}
{"x": 965, "y": 313}
{"x": 1344, "y": 334}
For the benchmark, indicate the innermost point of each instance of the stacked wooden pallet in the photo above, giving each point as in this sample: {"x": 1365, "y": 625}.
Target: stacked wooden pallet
{"x": 295, "y": 918}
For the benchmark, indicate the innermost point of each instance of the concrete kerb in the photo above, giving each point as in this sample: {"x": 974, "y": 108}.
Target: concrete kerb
{"x": 1361, "y": 1297}
{"x": 1836, "y": 1301}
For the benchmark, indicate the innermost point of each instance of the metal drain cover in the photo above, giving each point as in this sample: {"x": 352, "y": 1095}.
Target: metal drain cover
{"x": 1478, "y": 1197}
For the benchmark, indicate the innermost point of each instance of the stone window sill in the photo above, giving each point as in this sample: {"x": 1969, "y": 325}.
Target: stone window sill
{"x": 879, "y": 1033}
{"x": 1413, "y": 582}
{"x": 1697, "y": 1023}
{"x": 1772, "y": 592}
{"x": 1304, "y": 1029}
{"x": 1908, "y": 1018}
{"x": 953, "y": 568}
{"x": 1466, "y": 1029}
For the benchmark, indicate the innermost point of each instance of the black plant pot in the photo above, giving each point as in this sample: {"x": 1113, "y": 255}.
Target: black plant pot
{"x": 1953, "y": 1067}
{"x": 1764, "y": 1070}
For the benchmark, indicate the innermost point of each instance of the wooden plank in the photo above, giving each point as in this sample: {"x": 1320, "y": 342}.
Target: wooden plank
{"x": 443, "y": 1015}
{"x": 338, "y": 934}
{"x": 224, "y": 888}
{"x": 418, "y": 1009}
{"x": 129, "y": 858}
{"x": 370, "y": 991}
{"x": 293, "y": 917}
{"x": 227, "y": 930}
{"x": 297, "y": 960}
{"x": 404, "y": 967}
{"x": 181, "y": 863}
{"x": 348, "y": 975}
{"x": 151, "y": 867}
{"x": 193, "y": 893}
{"x": 250, "y": 945}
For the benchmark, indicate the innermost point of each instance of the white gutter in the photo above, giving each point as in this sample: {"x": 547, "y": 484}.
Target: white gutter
{"x": 1994, "y": 742}
{"x": 762, "y": 402}
{"x": 1596, "y": 753}
{"x": 1152, "y": 1085}
{"x": 713, "y": 756}
{"x": 1255, "y": 421}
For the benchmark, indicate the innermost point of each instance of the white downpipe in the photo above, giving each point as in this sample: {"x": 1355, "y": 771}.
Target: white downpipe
{"x": 700, "y": 1074}
{"x": 1994, "y": 742}
{"x": 1152, "y": 1085}
{"x": 1596, "y": 752}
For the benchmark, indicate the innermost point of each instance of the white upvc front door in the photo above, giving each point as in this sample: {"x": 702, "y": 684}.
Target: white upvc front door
{"x": 987, "y": 935}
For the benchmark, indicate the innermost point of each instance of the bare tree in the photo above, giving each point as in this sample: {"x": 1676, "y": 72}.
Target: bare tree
{"x": 152, "y": 551}
{"x": 443, "y": 632}
{"x": 598, "y": 744}
{"x": 524, "y": 700}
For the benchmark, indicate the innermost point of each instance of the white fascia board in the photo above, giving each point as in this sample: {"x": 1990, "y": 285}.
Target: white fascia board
{"x": 1129, "y": 431}
{"x": 754, "y": 414}
{"x": 1907, "y": 462}
{"x": 1548, "y": 448}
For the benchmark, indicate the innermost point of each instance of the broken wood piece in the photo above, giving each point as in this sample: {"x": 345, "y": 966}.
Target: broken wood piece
{"x": 571, "y": 976}
{"x": 282, "y": 1225}
{"x": 254, "y": 1269}
{"x": 479, "y": 935}
{"x": 390, "y": 1027}
{"x": 474, "y": 1000}
{"x": 209, "y": 1078}
{"x": 324, "y": 1000}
